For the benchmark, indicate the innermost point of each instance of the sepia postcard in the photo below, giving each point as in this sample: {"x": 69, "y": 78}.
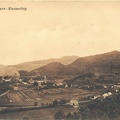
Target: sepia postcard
{"x": 59, "y": 60}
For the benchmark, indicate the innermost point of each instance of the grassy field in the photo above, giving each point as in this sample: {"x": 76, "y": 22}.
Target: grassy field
{"x": 40, "y": 114}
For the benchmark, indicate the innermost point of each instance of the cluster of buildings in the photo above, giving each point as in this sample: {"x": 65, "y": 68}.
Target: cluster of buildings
{"x": 101, "y": 97}
{"x": 75, "y": 102}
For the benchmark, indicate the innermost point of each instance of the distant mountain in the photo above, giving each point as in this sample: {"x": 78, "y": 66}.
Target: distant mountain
{"x": 2, "y": 66}
{"x": 98, "y": 64}
{"x": 24, "y": 73}
{"x": 54, "y": 68}
{"x": 8, "y": 71}
{"x": 28, "y": 66}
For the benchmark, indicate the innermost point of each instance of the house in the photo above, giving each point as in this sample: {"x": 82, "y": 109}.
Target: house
{"x": 40, "y": 83}
{"x": 31, "y": 81}
{"x": 59, "y": 84}
{"x": 74, "y": 103}
{"x": 116, "y": 86}
{"x": 95, "y": 97}
{"x": 104, "y": 86}
{"x": 86, "y": 86}
{"x": 45, "y": 79}
{"x": 15, "y": 88}
{"x": 105, "y": 95}
{"x": 20, "y": 80}
{"x": 80, "y": 86}
{"x": 109, "y": 93}
{"x": 3, "y": 108}
{"x": 116, "y": 90}
{"x": 7, "y": 80}
{"x": 76, "y": 86}
{"x": 42, "y": 86}
{"x": 24, "y": 83}
{"x": 66, "y": 86}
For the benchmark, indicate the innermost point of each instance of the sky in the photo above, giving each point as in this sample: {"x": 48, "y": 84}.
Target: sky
{"x": 56, "y": 29}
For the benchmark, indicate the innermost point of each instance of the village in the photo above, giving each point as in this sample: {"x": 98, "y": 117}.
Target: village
{"x": 33, "y": 93}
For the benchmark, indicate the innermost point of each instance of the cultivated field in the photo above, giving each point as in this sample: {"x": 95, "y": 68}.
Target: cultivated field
{"x": 65, "y": 93}
{"x": 29, "y": 96}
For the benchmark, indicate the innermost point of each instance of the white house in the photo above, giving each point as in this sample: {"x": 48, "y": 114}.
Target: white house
{"x": 24, "y": 83}
{"x": 66, "y": 86}
{"x": 59, "y": 84}
{"x": 7, "y": 80}
{"x": 105, "y": 95}
{"x": 74, "y": 103}
{"x": 95, "y": 97}
{"x": 109, "y": 93}
{"x": 40, "y": 83}
{"x": 116, "y": 90}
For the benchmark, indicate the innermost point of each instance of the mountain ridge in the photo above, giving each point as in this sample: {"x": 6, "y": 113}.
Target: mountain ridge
{"x": 28, "y": 66}
{"x": 98, "y": 64}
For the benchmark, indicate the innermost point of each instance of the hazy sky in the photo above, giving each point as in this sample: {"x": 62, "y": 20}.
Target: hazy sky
{"x": 56, "y": 29}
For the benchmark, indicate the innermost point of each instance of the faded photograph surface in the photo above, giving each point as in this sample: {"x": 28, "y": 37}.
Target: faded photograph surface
{"x": 59, "y": 60}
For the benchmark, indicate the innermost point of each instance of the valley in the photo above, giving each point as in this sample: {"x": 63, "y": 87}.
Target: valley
{"x": 56, "y": 87}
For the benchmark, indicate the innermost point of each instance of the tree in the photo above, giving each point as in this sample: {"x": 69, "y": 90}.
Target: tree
{"x": 42, "y": 105}
{"x": 69, "y": 116}
{"x": 60, "y": 115}
{"x": 25, "y": 118}
{"x": 76, "y": 116}
{"x": 35, "y": 103}
{"x": 55, "y": 103}
{"x": 35, "y": 84}
{"x": 62, "y": 102}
